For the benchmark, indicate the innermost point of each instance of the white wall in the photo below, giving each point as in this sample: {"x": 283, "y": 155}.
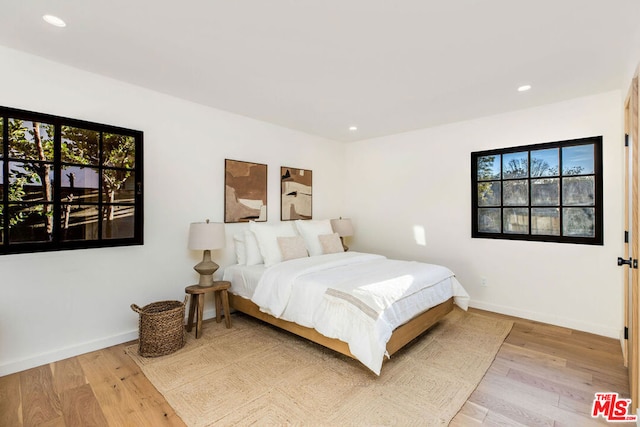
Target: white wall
{"x": 55, "y": 305}
{"x": 421, "y": 180}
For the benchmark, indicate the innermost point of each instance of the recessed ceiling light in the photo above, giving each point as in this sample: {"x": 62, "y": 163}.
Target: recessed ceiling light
{"x": 54, "y": 20}
{"x": 524, "y": 88}
{"x": 353, "y": 128}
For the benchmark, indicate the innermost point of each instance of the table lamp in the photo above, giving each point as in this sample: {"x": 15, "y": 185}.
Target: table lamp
{"x": 205, "y": 236}
{"x": 344, "y": 228}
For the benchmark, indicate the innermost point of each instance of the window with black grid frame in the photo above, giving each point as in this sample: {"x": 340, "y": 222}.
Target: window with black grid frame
{"x": 543, "y": 192}
{"x": 68, "y": 184}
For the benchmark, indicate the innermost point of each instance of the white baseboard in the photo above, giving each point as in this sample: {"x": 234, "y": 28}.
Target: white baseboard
{"x": 75, "y": 350}
{"x": 85, "y": 347}
{"x": 547, "y": 318}
{"x": 65, "y": 352}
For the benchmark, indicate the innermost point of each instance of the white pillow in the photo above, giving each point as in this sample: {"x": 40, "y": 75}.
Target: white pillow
{"x": 267, "y": 237}
{"x": 310, "y": 229}
{"x": 331, "y": 243}
{"x": 241, "y": 249}
{"x": 292, "y": 247}
{"x": 254, "y": 256}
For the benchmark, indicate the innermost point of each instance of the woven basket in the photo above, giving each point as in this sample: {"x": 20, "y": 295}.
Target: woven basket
{"x": 161, "y": 328}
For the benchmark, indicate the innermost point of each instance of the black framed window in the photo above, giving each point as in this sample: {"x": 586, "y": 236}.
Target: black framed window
{"x": 68, "y": 184}
{"x": 545, "y": 192}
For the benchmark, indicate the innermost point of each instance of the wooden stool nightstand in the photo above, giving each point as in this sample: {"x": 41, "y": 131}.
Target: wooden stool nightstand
{"x": 221, "y": 297}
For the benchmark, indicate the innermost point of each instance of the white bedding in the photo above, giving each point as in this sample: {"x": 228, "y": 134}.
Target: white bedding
{"x": 243, "y": 278}
{"x": 355, "y": 297}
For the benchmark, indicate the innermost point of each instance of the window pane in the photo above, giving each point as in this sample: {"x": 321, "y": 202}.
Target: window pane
{"x": 489, "y": 193}
{"x": 538, "y": 186}
{"x": 545, "y": 221}
{"x": 578, "y": 191}
{"x": 30, "y": 223}
{"x": 67, "y": 184}
{"x": 30, "y": 140}
{"x": 516, "y": 193}
{"x": 578, "y": 222}
{"x": 80, "y": 146}
{"x": 578, "y": 160}
{"x": 489, "y": 220}
{"x": 118, "y": 222}
{"x": 515, "y": 165}
{"x": 119, "y": 186}
{"x": 545, "y": 192}
{"x": 26, "y": 182}
{"x": 79, "y": 222}
{"x": 488, "y": 168}
{"x": 544, "y": 162}
{"x": 516, "y": 220}
{"x": 118, "y": 151}
{"x": 80, "y": 184}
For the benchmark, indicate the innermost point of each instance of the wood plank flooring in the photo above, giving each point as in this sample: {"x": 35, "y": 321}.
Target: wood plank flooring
{"x": 546, "y": 375}
{"x": 543, "y": 375}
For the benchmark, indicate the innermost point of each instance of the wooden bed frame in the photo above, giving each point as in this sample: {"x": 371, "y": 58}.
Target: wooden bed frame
{"x": 401, "y": 336}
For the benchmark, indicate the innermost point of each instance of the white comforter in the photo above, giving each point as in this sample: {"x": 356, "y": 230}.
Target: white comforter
{"x": 355, "y": 297}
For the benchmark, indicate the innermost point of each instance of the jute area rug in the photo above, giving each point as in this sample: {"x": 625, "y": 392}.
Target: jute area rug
{"x": 256, "y": 374}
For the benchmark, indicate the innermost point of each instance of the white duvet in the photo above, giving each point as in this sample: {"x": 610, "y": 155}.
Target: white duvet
{"x": 355, "y": 297}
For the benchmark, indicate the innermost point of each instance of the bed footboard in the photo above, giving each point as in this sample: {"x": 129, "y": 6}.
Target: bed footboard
{"x": 400, "y": 337}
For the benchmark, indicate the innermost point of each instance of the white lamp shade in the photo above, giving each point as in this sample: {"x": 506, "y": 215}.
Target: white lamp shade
{"x": 342, "y": 226}
{"x": 206, "y": 235}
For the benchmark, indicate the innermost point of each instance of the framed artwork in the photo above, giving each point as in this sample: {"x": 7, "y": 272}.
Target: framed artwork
{"x": 295, "y": 194}
{"x": 245, "y": 191}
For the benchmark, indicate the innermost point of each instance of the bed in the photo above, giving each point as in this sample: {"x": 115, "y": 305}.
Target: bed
{"x": 365, "y": 306}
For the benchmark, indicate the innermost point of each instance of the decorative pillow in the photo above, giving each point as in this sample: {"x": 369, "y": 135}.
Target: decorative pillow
{"x": 330, "y": 243}
{"x": 253, "y": 254}
{"x": 292, "y": 247}
{"x": 267, "y": 237}
{"x": 241, "y": 249}
{"x": 310, "y": 229}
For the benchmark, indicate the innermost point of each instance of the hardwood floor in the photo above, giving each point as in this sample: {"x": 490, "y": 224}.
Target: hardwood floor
{"x": 546, "y": 375}
{"x": 543, "y": 375}
{"x": 102, "y": 388}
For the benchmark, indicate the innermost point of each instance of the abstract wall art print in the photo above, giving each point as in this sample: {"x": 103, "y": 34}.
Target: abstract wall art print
{"x": 295, "y": 193}
{"x": 245, "y": 191}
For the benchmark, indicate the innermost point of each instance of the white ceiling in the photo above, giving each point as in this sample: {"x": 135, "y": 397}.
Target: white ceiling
{"x": 386, "y": 66}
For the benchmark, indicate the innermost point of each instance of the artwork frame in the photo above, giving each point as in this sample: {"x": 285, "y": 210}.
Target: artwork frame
{"x": 245, "y": 191}
{"x": 296, "y": 193}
